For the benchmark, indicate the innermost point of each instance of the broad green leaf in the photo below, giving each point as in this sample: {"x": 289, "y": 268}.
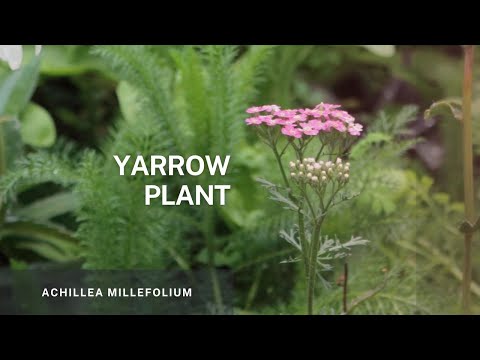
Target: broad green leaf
{"x": 64, "y": 60}
{"x": 381, "y": 50}
{"x": 17, "y": 88}
{"x": 49, "y": 207}
{"x": 37, "y": 126}
{"x": 47, "y": 251}
{"x": 454, "y": 105}
{"x": 129, "y": 102}
{"x": 50, "y": 234}
{"x": 11, "y": 146}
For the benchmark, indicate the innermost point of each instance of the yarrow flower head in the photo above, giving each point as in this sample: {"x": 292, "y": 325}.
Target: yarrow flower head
{"x": 298, "y": 123}
{"x": 320, "y": 173}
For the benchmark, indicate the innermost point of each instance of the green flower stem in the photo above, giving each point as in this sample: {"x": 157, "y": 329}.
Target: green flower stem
{"x": 307, "y": 200}
{"x": 468, "y": 174}
{"x": 301, "y": 221}
{"x": 303, "y": 241}
{"x": 208, "y": 235}
{"x": 3, "y": 166}
{"x": 309, "y": 249}
{"x": 317, "y": 157}
{"x": 282, "y": 169}
{"x": 313, "y": 252}
{"x": 312, "y": 266}
{"x": 345, "y": 289}
{"x": 3, "y": 160}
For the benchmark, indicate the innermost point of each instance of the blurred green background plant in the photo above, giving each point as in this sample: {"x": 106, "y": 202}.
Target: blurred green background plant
{"x": 65, "y": 114}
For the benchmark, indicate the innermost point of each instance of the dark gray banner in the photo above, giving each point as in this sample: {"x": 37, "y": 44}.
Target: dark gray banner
{"x": 113, "y": 292}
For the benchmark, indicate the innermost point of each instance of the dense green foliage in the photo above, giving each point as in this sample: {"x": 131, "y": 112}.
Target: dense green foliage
{"x": 190, "y": 100}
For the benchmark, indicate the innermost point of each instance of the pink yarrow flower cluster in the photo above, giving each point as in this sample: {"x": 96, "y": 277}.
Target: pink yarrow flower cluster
{"x": 300, "y": 122}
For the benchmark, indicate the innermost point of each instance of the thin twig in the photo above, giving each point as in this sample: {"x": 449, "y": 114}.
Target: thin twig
{"x": 467, "y": 174}
{"x": 366, "y": 296}
{"x": 345, "y": 287}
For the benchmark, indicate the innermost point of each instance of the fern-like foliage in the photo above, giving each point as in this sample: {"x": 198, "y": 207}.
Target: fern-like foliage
{"x": 116, "y": 228}
{"x": 139, "y": 66}
{"x": 225, "y": 125}
{"x": 213, "y": 88}
{"x": 283, "y": 71}
{"x": 193, "y": 100}
{"x": 34, "y": 169}
{"x": 191, "y": 103}
{"x": 394, "y": 124}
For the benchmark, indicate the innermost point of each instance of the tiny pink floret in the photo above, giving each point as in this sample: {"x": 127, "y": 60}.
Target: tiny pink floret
{"x": 254, "y": 121}
{"x": 291, "y": 131}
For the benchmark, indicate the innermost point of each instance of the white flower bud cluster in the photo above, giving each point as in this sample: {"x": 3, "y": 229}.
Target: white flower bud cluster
{"x": 319, "y": 172}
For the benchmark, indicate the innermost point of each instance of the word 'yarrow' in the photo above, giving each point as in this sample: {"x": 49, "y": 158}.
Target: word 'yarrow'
{"x": 176, "y": 165}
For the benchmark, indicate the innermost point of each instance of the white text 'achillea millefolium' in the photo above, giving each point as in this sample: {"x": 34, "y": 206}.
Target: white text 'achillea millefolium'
{"x": 315, "y": 180}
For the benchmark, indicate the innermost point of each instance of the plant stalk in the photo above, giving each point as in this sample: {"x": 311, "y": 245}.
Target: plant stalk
{"x": 208, "y": 234}
{"x": 3, "y": 167}
{"x": 467, "y": 173}
{"x": 312, "y": 266}
{"x": 282, "y": 169}
{"x": 303, "y": 241}
{"x": 345, "y": 288}
{"x": 301, "y": 221}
